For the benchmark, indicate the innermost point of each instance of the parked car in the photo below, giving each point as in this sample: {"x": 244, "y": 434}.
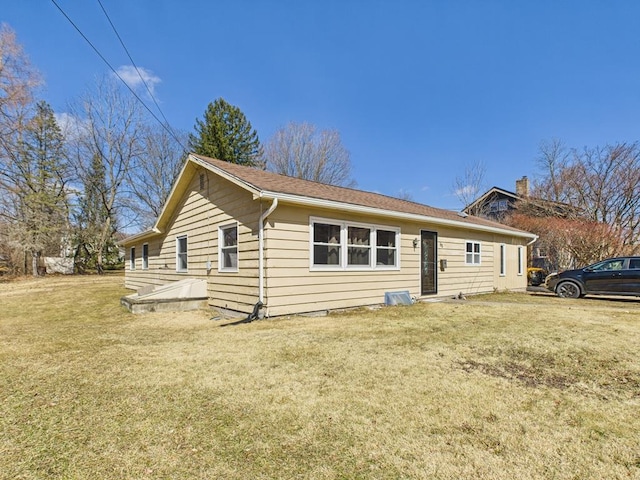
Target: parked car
{"x": 614, "y": 276}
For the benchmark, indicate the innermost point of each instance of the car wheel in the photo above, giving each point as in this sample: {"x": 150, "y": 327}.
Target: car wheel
{"x": 568, "y": 290}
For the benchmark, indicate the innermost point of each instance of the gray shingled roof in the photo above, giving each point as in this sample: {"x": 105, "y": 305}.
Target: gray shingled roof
{"x": 275, "y": 183}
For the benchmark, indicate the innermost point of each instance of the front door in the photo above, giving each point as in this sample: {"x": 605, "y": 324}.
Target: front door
{"x": 428, "y": 259}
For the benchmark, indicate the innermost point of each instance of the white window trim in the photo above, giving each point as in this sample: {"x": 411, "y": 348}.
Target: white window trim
{"x": 178, "y": 269}
{"x": 145, "y": 260}
{"x": 132, "y": 258}
{"x": 344, "y": 224}
{"x": 220, "y": 241}
{"x": 503, "y": 259}
{"x": 520, "y": 260}
{"x": 473, "y": 242}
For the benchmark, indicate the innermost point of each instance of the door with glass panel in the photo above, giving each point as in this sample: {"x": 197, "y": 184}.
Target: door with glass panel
{"x": 428, "y": 260}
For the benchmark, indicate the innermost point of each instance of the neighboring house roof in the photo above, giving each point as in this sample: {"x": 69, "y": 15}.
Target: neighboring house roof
{"x": 269, "y": 185}
{"x": 540, "y": 203}
{"x": 488, "y": 194}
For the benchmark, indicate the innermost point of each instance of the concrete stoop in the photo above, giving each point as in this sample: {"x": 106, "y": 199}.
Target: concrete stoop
{"x": 180, "y": 296}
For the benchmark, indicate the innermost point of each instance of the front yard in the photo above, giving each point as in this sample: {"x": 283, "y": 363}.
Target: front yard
{"x": 500, "y": 387}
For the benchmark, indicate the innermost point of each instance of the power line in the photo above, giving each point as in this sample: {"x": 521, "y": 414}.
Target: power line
{"x": 133, "y": 63}
{"x": 168, "y": 130}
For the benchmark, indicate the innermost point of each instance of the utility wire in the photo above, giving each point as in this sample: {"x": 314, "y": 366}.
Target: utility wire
{"x": 168, "y": 130}
{"x": 134, "y": 64}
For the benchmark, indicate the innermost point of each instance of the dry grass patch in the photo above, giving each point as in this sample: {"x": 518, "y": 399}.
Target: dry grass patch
{"x": 497, "y": 390}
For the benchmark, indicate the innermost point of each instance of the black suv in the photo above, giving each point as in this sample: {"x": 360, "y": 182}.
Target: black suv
{"x": 615, "y": 276}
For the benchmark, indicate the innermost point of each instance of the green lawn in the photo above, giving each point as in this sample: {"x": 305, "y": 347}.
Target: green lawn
{"x": 506, "y": 386}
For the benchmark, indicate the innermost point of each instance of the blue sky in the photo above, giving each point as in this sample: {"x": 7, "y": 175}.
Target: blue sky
{"x": 419, "y": 90}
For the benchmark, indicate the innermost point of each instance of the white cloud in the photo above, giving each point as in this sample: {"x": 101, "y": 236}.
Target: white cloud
{"x": 134, "y": 78}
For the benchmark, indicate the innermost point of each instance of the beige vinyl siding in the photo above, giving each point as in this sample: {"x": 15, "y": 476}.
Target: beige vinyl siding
{"x": 459, "y": 276}
{"x": 292, "y": 286}
{"x": 198, "y": 216}
{"x": 511, "y": 280}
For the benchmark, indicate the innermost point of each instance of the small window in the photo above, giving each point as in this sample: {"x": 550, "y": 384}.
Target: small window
{"x": 472, "y": 256}
{"x": 326, "y": 244}
{"x": 634, "y": 263}
{"x": 145, "y": 256}
{"x": 181, "y": 254}
{"x": 520, "y": 260}
{"x": 503, "y": 260}
{"x": 132, "y": 258}
{"x": 228, "y": 249}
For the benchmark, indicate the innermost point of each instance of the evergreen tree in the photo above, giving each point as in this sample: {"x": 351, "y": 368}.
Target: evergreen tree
{"x": 226, "y": 134}
{"x": 40, "y": 174}
{"x": 90, "y": 217}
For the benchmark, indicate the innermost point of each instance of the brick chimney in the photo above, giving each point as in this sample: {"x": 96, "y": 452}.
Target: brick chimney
{"x": 522, "y": 187}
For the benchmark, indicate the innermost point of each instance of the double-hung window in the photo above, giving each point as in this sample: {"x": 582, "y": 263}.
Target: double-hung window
{"x": 228, "y": 248}
{"x": 327, "y": 239}
{"x": 181, "y": 254}
{"x": 145, "y": 256}
{"x": 520, "y": 260}
{"x": 358, "y": 246}
{"x": 132, "y": 258}
{"x": 338, "y": 245}
{"x": 473, "y": 254}
{"x": 386, "y": 247}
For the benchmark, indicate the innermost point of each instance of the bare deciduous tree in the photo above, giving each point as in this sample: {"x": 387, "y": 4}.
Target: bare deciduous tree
{"x": 601, "y": 184}
{"x": 160, "y": 165}
{"x": 108, "y": 137}
{"x": 300, "y": 150}
{"x": 469, "y": 185}
{"x": 18, "y": 83}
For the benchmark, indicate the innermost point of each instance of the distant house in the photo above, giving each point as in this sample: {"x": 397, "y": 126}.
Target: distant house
{"x": 299, "y": 246}
{"x": 497, "y": 203}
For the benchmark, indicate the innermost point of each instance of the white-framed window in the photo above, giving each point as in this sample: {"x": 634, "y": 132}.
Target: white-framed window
{"x": 472, "y": 253}
{"x": 520, "y": 260}
{"x": 145, "y": 256}
{"x": 181, "y": 254}
{"x": 503, "y": 259}
{"x": 228, "y": 248}
{"x": 341, "y": 245}
{"x": 358, "y": 246}
{"x": 132, "y": 258}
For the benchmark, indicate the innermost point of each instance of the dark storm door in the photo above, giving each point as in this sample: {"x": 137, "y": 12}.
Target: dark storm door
{"x": 428, "y": 260}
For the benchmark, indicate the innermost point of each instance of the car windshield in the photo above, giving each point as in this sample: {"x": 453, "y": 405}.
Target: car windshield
{"x": 608, "y": 265}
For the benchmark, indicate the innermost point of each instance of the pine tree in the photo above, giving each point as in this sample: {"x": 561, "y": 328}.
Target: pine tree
{"x": 90, "y": 217}
{"x": 226, "y": 134}
{"x": 41, "y": 174}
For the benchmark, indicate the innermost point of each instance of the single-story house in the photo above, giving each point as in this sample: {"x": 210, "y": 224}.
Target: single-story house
{"x": 299, "y": 246}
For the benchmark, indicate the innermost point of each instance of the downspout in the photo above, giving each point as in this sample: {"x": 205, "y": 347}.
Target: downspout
{"x": 263, "y": 217}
